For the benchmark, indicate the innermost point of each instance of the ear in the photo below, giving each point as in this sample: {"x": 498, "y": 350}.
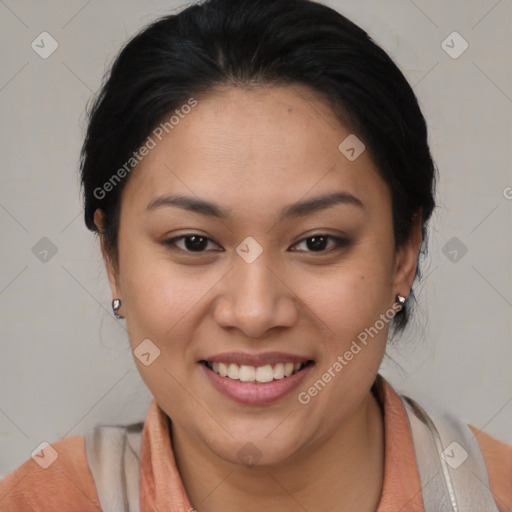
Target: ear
{"x": 407, "y": 259}
{"x": 112, "y": 272}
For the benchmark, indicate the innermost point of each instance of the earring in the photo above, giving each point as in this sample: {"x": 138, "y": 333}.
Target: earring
{"x": 116, "y": 304}
{"x": 400, "y": 299}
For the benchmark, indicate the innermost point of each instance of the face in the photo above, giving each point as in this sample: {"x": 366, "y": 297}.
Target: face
{"x": 278, "y": 257}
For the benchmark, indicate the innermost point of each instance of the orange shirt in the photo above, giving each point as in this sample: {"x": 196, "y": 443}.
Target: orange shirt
{"x": 67, "y": 484}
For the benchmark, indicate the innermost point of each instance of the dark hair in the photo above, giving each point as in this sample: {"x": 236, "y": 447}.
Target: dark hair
{"x": 259, "y": 42}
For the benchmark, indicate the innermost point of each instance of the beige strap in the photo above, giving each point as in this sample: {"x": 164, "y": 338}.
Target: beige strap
{"x": 452, "y": 469}
{"x": 112, "y": 453}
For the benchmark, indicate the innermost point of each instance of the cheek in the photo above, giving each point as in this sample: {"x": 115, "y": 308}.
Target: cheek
{"x": 160, "y": 308}
{"x": 155, "y": 295}
{"x": 159, "y": 299}
{"x": 353, "y": 295}
{"x": 353, "y": 304}
{"x": 356, "y": 333}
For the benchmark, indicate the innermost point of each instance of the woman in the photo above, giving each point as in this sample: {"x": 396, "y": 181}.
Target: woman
{"x": 259, "y": 175}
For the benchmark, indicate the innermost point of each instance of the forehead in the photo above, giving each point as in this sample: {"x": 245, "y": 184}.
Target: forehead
{"x": 255, "y": 147}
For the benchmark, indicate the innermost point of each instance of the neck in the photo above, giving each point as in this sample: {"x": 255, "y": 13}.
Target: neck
{"x": 342, "y": 472}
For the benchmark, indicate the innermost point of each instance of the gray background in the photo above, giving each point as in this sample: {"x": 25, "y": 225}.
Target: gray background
{"x": 65, "y": 361}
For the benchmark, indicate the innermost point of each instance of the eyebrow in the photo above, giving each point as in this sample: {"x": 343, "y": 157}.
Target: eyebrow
{"x": 300, "y": 209}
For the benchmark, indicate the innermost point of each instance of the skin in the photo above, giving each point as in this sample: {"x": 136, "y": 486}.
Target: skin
{"x": 254, "y": 151}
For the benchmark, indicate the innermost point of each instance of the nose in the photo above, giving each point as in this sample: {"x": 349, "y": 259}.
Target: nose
{"x": 256, "y": 299}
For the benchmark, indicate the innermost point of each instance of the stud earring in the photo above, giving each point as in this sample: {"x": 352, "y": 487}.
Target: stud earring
{"x": 400, "y": 299}
{"x": 116, "y": 304}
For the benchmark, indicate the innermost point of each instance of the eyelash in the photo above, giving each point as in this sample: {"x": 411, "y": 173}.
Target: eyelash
{"x": 340, "y": 242}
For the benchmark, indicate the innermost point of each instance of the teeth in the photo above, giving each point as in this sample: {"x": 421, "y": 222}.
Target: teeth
{"x": 247, "y": 373}
{"x": 223, "y": 369}
{"x": 234, "y": 371}
{"x": 261, "y": 374}
{"x": 288, "y": 369}
{"x": 264, "y": 373}
{"x": 279, "y": 371}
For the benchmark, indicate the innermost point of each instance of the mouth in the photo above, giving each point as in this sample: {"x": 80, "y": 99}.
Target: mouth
{"x": 257, "y": 374}
{"x": 256, "y": 380}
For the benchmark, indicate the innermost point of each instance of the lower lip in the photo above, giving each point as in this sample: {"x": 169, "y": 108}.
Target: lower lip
{"x": 255, "y": 393}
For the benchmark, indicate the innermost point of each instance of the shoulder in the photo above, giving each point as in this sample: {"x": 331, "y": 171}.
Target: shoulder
{"x": 55, "y": 478}
{"x": 497, "y": 454}
{"x": 498, "y": 459}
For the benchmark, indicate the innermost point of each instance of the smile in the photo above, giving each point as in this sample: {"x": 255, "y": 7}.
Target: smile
{"x": 256, "y": 380}
{"x": 261, "y": 374}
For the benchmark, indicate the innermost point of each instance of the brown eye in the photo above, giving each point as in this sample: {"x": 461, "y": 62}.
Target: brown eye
{"x": 195, "y": 243}
{"x": 318, "y": 243}
{"x": 191, "y": 243}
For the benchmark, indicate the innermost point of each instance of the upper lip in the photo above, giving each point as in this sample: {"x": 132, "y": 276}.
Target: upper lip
{"x": 241, "y": 358}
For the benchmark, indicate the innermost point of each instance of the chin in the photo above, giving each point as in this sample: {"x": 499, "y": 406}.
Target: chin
{"x": 252, "y": 453}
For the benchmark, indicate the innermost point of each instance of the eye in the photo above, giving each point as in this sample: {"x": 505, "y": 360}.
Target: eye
{"x": 192, "y": 243}
{"x": 317, "y": 243}
{"x": 196, "y": 243}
